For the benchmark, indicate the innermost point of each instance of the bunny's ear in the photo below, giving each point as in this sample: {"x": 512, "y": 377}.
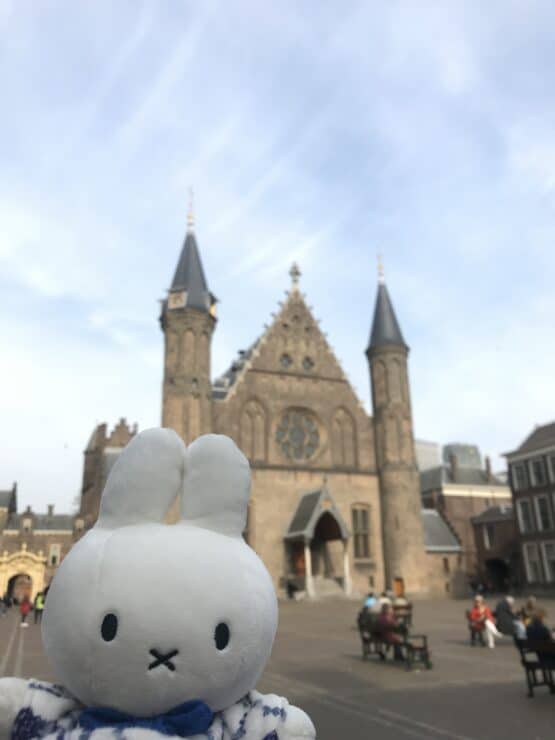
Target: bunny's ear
{"x": 217, "y": 485}
{"x": 145, "y": 480}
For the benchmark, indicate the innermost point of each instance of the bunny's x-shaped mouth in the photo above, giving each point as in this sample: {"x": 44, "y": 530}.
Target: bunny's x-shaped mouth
{"x": 162, "y": 659}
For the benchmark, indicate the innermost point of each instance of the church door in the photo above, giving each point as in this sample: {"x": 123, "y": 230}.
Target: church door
{"x": 299, "y": 565}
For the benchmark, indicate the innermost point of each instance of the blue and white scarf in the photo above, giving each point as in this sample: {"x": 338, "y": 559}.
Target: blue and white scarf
{"x": 49, "y": 712}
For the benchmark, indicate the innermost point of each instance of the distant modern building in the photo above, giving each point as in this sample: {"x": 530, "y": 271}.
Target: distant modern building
{"x": 532, "y": 479}
{"x": 497, "y": 552}
{"x": 460, "y": 488}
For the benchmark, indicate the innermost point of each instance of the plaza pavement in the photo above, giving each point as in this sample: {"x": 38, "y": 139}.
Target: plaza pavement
{"x": 470, "y": 694}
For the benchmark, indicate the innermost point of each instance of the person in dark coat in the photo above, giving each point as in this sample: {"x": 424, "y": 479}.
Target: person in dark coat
{"x": 537, "y": 629}
{"x": 505, "y": 615}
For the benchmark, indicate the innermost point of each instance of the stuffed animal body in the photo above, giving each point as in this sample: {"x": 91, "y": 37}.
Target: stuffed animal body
{"x": 160, "y": 630}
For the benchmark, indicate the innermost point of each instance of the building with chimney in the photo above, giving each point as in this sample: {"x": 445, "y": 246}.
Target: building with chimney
{"x": 461, "y": 489}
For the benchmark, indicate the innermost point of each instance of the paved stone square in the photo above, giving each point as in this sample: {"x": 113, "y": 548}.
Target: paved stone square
{"x": 470, "y": 694}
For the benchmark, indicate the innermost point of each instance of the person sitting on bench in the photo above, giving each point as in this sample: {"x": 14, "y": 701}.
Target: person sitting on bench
{"x": 506, "y": 616}
{"x": 389, "y": 628}
{"x": 481, "y": 621}
{"x": 538, "y": 631}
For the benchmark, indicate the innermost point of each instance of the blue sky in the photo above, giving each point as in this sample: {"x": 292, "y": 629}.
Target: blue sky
{"x": 321, "y": 132}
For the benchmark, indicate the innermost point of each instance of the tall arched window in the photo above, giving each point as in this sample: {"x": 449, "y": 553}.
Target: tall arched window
{"x": 360, "y": 514}
{"x": 380, "y": 383}
{"x": 189, "y": 349}
{"x": 253, "y": 430}
{"x": 172, "y": 349}
{"x": 343, "y": 439}
{"x": 392, "y": 439}
{"x": 395, "y": 381}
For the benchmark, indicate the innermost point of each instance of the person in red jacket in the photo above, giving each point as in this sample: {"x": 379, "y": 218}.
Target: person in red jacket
{"x": 24, "y": 609}
{"x": 481, "y": 619}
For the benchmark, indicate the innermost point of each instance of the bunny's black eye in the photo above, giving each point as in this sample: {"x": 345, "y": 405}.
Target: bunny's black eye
{"x": 109, "y": 627}
{"x": 221, "y": 635}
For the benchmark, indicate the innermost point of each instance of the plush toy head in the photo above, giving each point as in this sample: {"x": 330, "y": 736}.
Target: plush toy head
{"x": 141, "y": 615}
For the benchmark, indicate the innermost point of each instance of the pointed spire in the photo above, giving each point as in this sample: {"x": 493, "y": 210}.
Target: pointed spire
{"x": 381, "y": 279}
{"x": 385, "y": 327}
{"x": 189, "y": 277}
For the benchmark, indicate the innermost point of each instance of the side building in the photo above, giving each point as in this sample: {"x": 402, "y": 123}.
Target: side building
{"x": 32, "y": 545}
{"x": 497, "y": 551}
{"x": 101, "y": 452}
{"x": 532, "y": 480}
{"x": 461, "y": 488}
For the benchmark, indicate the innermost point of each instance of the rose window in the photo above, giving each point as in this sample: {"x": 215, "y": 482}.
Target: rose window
{"x": 297, "y": 435}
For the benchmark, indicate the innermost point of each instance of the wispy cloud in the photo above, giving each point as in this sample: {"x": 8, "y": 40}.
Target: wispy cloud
{"x": 314, "y": 133}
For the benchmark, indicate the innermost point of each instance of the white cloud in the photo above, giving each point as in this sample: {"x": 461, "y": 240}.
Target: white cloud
{"x": 317, "y": 134}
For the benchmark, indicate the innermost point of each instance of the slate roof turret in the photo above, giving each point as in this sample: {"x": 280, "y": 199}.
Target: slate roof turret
{"x": 189, "y": 276}
{"x": 385, "y": 327}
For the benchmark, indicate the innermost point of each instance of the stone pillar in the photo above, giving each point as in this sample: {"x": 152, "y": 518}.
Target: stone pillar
{"x": 309, "y": 583}
{"x": 347, "y": 586}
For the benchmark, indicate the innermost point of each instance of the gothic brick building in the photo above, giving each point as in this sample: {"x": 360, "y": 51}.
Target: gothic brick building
{"x": 335, "y": 492}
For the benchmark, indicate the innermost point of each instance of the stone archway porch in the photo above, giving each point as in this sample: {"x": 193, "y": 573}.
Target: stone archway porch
{"x": 315, "y": 528}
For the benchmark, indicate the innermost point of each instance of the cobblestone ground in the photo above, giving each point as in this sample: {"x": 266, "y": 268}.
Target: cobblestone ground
{"x": 470, "y": 694}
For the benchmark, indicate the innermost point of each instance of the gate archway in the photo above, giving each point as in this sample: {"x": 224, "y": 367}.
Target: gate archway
{"x": 23, "y": 563}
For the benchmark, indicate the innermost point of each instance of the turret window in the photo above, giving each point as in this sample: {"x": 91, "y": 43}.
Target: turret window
{"x": 361, "y": 531}
{"x": 286, "y": 361}
{"x": 308, "y": 363}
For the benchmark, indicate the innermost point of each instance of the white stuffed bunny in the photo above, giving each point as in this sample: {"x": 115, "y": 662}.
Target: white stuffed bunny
{"x": 160, "y": 630}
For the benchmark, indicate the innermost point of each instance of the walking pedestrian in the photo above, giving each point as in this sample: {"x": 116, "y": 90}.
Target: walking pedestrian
{"x": 24, "y": 609}
{"x": 39, "y": 607}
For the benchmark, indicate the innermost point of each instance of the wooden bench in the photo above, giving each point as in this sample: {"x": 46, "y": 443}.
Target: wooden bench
{"x": 403, "y": 614}
{"x": 413, "y": 649}
{"x": 538, "y": 660}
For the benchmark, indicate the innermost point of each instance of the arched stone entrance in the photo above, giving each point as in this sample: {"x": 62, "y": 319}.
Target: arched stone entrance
{"x": 316, "y": 544}
{"x": 22, "y": 563}
{"x": 498, "y": 575}
{"x": 19, "y": 587}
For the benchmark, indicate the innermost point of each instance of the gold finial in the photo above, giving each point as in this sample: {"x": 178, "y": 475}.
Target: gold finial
{"x": 295, "y": 274}
{"x": 190, "y": 213}
{"x": 381, "y": 278}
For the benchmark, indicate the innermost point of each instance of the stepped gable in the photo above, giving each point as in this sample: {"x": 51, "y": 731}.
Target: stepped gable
{"x": 292, "y": 344}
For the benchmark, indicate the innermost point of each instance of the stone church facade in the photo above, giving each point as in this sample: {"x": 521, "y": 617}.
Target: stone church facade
{"x": 335, "y": 500}
{"x": 335, "y": 503}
